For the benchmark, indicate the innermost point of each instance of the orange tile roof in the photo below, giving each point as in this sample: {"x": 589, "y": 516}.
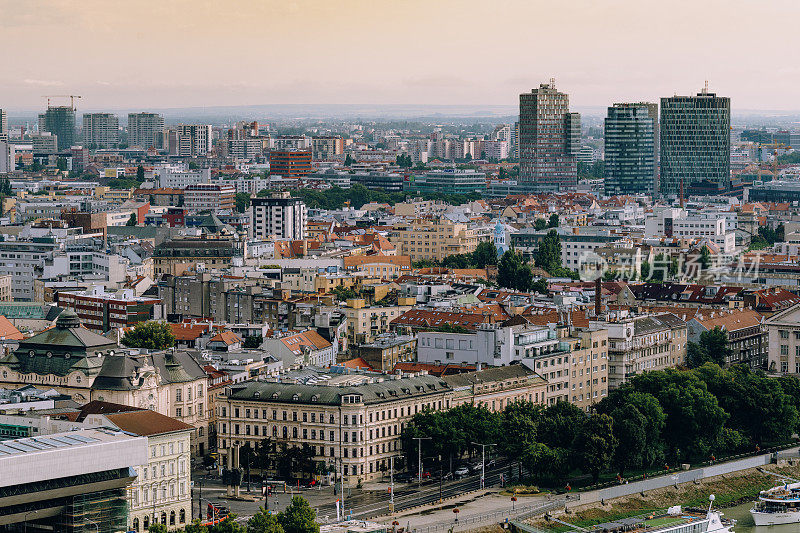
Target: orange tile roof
{"x": 228, "y": 337}
{"x": 8, "y": 331}
{"x": 188, "y": 332}
{"x": 358, "y": 363}
{"x": 308, "y": 338}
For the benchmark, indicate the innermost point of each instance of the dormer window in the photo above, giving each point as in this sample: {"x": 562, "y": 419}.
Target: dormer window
{"x": 314, "y": 398}
{"x": 296, "y": 397}
{"x": 274, "y": 395}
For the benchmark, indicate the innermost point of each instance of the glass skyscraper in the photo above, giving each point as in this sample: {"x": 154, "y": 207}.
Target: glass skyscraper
{"x": 549, "y": 137}
{"x": 630, "y": 149}
{"x": 60, "y": 121}
{"x": 695, "y": 141}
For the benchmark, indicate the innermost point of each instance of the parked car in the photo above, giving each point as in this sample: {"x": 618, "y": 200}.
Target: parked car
{"x": 404, "y": 477}
{"x": 462, "y": 471}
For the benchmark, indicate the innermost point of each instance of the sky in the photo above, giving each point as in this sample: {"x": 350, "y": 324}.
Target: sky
{"x": 152, "y": 54}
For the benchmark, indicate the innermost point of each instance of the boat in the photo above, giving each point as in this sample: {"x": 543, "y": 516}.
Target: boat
{"x": 778, "y": 505}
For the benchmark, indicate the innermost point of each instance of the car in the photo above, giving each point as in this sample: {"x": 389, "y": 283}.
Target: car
{"x": 447, "y": 475}
{"x": 462, "y": 471}
{"x": 491, "y": 462}
{"x": 404, "y": 477}
{"x": 426, "y": 475}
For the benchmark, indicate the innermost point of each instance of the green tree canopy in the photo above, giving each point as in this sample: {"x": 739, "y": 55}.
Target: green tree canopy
{"x": 151, "y": 335}
{"x": 132, "y": 220}
{"x": 513, "y": 272}
{"x": 298, "y": 517}
{"x": 242, "y": 202}
{"x": 140, "y": 173}
{"x": 264, "y": 522}
{"x": 596, "y": 444}
{"x": 548, "y": 255}
{"x": 553, "y": 221}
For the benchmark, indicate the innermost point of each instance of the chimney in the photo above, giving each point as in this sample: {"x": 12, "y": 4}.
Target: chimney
{"x": 598, "y": 289}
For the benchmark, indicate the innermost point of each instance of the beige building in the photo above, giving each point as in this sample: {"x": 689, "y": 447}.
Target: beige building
{"x": 783, "y": 339}
{"x": 161, "y": 492}
{"x": 353, "y": 423}
{"x": 365, "y": 323}
{"x": 75, "y": 361}
{"x": 643, "y": 344}
{"x": 435, "y": 239}
{"x": 5, "y": 288}
{"x": 498, "y": 387}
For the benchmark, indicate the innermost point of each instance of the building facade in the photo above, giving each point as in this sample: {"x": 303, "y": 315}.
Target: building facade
{"x": 695, "y": 141}
{"x": 279, "y": 216}
{"x": 212, "y": 197}
{"x": 60, "y": 121}
{"x": 547, "y": 140}
{"x": 630, "y": 152}
{"x": 290, "y": 163}
{"x": 435, "y": 239}
{"x": 100, "y": 130}
{"x": 146, "y": 130}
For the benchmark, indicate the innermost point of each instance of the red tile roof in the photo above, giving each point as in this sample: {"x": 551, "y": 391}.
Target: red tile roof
{"x": 422, "y": 318}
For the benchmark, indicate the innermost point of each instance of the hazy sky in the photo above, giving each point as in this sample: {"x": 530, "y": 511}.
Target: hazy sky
{"x": 173, "y": 53}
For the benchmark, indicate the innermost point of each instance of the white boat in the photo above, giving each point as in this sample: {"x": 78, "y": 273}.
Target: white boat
{"x": 778, "y": 505}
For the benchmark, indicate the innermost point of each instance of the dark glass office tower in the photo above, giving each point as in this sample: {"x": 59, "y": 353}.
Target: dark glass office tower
{"x": 549, "y": 137}
{"x": 60, "y": 121}
{"x": 630, "y": 149}
{"x": 695, "y": 141}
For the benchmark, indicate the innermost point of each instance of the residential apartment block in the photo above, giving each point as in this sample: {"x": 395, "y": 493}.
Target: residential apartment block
{"x": 436, "y": 239}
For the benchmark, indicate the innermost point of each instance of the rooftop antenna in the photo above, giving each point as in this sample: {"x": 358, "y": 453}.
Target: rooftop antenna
{"x": 552, "y": 83}
{"x": 705, "y": 88}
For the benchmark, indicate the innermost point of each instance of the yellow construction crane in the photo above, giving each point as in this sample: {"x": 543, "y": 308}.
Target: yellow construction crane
{"x": 71, "y": 97}
{"x": 773, "y": 147}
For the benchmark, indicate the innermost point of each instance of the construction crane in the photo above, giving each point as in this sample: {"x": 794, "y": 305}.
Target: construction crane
{"x": 71, "y": 97}
{"x": 773, "y": 147}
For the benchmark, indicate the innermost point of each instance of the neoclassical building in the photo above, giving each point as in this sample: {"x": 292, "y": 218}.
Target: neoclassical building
{"x": 88, "y": 366}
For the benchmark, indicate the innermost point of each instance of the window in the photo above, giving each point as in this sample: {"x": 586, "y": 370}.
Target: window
{"x": 784, "y": 349}
{"x": 178, "y": 395}
{"x": 783, "y": 333}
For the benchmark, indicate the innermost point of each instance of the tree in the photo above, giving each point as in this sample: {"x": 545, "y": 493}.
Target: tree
{"x": 252, "y": 341}
{"x": 61, "y": 164}
{"x": 242, "y": 202}
{"x": 195, "y": 527}
{"x": 151, "y": 335}
{"x": 157, "y": 528}
{"x": 132, "y": 220}
{"x": 348, "y": 160}
{"x": 596, "y": 444}
{"x": 629, "y": 429}
{"x": 553, "y": 222}
{"x": 513, "y": 272}
{"x": 645, "y": 270}
{"x": 540, "y": 286}
{"x": 140, "y": 173}
{"x": 264, "y": 522}
{"x": 548, "y": 256}
{"x": 229, "y": 525}
{"x": 705, "y": 257}
{"x": 539, "y": 224}
{"x": 546, "y": 464}
{"x": 298, "y": 517}
{"x": 485, "y": 254}
{"x": 192, "y": 165}
{"x": 713, "y": 347}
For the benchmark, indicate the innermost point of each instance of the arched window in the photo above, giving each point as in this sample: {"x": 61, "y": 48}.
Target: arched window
{"x": 294, "y": 433}
{"x": 136, "y": 524}
{"x": 164, "y": 517}
{"x": 146, "y": 523}
{"x": 182, "y": 516}
{"x": 285, "y": 432}
{"x": 274, "y": 431}
{"x": 172, "y": 518}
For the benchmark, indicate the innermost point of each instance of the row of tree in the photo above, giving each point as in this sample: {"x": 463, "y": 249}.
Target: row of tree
{"x": 298, "y": 517}
{"x": 358, "y": 195}
{"x": 673, "y": 416}
{"x": 485, "y": 254}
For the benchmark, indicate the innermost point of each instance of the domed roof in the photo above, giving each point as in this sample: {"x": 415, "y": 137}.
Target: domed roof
{"x": 68, "y": 319}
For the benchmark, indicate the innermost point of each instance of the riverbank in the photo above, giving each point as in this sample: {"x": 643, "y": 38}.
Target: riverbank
{"x": 729, "y": 490}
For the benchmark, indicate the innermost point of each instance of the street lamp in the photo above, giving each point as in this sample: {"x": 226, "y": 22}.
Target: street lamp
{"x": 483, "y": 461}
{"x": 25, "y": 519}
{"x": 96, "y": 527}
{"x": 419, "y": 445}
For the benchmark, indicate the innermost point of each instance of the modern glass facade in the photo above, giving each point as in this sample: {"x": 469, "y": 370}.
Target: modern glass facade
{"x": 60, "y": 121}
{"x": 450, "y": 181}
{"x": 630, "y": 154}
{"x": 549, "y": 136}
{"x": 695, "y": 141}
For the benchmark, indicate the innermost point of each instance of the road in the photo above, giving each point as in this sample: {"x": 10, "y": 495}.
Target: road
{"x": 360, "y": 504}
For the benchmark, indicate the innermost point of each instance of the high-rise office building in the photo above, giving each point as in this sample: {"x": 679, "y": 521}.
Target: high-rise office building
{"x": 549, "y": 137}
{"x": 630, "y": 153}
{"x": 3, "y": 122}
{"x": 695, "y": 141}
{"x": 60, "y": 121}
{"x": 280, "y": 216}
{"x": 146, "y": 130}
{"x": 100, "y": 130}
{"x": 290, "y": 163}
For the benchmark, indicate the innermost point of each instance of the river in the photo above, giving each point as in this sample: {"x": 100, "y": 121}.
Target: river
{"x": 744, "y": 522}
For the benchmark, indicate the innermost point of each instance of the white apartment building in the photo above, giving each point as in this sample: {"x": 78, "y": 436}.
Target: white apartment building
{"x": 675, "y": 222}
{"x": 190, "y": 140}
{"x": 212, "y": 197}
{"x": 100, "y": 130}
{"x": 180, "y": 177}
{"x": 107, "y": 267}
{"x": 290, "y": 142}
{"x": 251, "y": 184}
{"x": 279, "y": 216}
{"x": 24, "y": 261}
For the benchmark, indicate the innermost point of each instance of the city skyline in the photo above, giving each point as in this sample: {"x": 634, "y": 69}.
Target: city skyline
{"x": 358, "y": 52}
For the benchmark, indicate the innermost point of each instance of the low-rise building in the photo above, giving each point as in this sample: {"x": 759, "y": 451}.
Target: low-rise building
{"x": 746, "y": 332}
{"x": 386, "y": 351}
